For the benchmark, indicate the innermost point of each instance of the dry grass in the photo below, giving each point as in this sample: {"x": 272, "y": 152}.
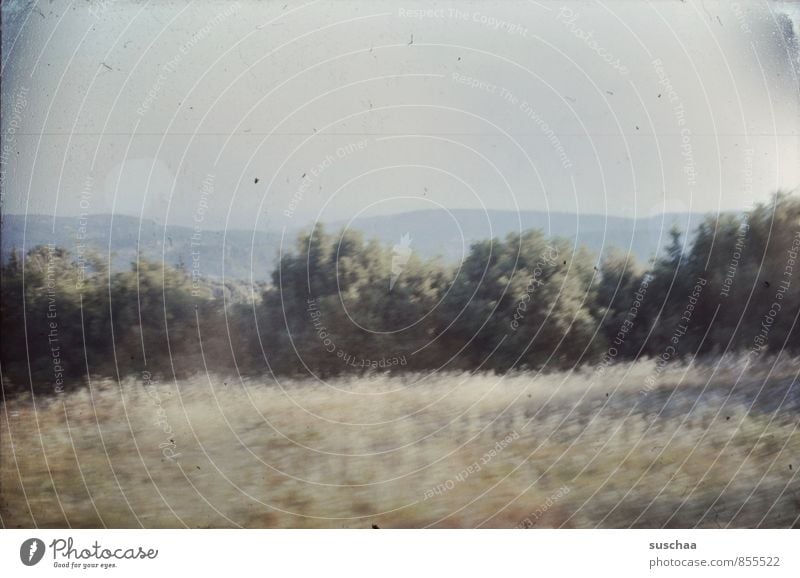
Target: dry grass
{"x": 702, "y": 449}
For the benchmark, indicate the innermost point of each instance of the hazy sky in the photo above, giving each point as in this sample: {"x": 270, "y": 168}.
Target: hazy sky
{"x": 173, "y": 109}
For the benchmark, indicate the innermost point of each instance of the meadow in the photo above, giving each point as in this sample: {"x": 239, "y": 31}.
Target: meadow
{"x": 708, "y": 445}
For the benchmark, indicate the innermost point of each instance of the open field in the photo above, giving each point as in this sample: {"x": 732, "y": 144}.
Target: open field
{"x": 707, "y": 446}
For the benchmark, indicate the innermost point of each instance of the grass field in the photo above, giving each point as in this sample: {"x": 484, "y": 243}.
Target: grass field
{"x": 707, "y": 446}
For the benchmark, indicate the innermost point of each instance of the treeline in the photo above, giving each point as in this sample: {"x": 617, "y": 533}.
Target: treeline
{"x": 342, "y": 304}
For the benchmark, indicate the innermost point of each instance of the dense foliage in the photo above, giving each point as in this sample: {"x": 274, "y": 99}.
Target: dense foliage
{"x": 340, "y": 304}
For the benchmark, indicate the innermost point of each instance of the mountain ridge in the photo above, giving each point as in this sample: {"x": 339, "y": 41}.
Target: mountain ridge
{"x": 433, "y": 233}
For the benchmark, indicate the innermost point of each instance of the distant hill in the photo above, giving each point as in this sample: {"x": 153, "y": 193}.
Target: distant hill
{"x": 432, "y": 233}
{"x": 435, "y": 232}
{"x": 124, "y": 236}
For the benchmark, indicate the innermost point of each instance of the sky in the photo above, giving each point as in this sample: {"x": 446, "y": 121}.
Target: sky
{"x": 267, "y": 114}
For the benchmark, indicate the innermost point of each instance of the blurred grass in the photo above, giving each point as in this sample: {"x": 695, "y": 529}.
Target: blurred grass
{"x": 711, "y": 446}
